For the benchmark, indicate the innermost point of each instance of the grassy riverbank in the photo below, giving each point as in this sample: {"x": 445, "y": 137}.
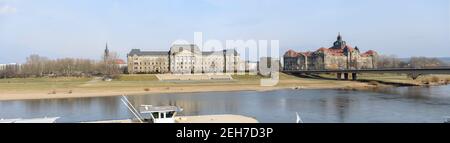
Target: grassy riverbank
{"x": 400, "y": 79}
{"x": 71, "y": 87}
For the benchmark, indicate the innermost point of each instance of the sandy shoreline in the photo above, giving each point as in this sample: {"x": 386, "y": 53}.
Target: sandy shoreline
{"x": 81, "y": 93}
{"x": 225, "y": 118}
{"x": 23, "y": 89}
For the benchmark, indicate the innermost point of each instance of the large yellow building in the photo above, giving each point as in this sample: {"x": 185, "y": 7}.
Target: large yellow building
{"x": 184, "y": 58}
{"x": 339, "y": 56}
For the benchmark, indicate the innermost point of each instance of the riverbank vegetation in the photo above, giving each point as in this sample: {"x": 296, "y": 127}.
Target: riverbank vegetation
{"x": 392, "y": 61}
{"x": 39, "y": 66}
{"x": 137, "y": 77}
{"x": 396, "y": 79}
{"x": 403, "y": 79}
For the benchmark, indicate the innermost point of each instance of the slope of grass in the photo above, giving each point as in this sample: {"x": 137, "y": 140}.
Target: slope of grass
{"x": 246, "y": 77}
{"x": 23, "y": 84}
{"x": 44, "y": 79}
{"x": 137, "y": 77}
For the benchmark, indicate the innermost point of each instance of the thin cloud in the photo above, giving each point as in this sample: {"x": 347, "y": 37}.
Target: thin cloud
{"x": 7, "y": 9}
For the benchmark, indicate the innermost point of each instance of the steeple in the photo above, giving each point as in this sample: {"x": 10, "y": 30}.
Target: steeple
{"x": 106, "y": 54}
{"x": 339, "y": 37}
{"x": 339, "y": 42}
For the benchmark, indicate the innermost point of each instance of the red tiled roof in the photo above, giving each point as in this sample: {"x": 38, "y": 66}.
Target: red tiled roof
{"x": 350, "y": 48}
{"x": 306, "y": 53}
{"x": 335, "y": 51}
{"x": 369, "y": 53}
{"x": 290, "y": 53}
{"x": 120, "y": 61}
{"x": 323, "y": 49}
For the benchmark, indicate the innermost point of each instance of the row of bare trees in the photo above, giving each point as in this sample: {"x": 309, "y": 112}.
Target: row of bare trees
{"x": 9, "y": 70}
{"x": 393, "y": 61}
{"x": 39, "y": 66}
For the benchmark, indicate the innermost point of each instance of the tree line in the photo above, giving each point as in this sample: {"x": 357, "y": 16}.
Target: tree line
{"x": 40, "y": 66}
{"x": 392, "y": 61}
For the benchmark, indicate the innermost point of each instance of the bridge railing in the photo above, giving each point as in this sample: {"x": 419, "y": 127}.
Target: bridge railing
{"x": 366, "y": 69}
{"x": 425, "y": 67}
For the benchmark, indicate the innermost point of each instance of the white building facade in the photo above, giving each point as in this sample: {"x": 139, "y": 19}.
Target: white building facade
{"x": 184, "y": 59}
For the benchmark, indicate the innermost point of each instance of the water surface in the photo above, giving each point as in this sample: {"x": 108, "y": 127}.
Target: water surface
{"x": 404, "y": 104}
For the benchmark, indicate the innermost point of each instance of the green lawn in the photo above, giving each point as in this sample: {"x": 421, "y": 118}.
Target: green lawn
{"x": 137, "y": 77}
{"x": 44, "y": 79}
{"x": 17, "y": 84}
{"x": 246, "y": 77}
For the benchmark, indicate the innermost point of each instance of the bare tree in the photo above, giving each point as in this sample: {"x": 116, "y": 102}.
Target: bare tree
{"x": 109, "y": 64}
{"x": 11, "y": 70}
{"x": 392, "y": 61}
{"x": 34, "y": 65}
{"x": 423, "y": 62}
{"x": 41, "y": 66}
{"x": 388, "y": 61}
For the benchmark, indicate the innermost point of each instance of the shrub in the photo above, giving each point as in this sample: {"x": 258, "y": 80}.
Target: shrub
{"x": 447, "y": 80}
{"x": 435, "y": 79}
{"x": 426, "y": 81}
{"x": 373, "y": 83}
{"x": 146, "y": 89}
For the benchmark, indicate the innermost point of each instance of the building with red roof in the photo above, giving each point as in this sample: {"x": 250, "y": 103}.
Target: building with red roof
{"x": 340, "y": 56}
{"x": 120, "y": 62}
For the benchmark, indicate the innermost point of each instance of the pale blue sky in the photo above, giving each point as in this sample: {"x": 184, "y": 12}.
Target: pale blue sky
{"x": 80, "y": 28}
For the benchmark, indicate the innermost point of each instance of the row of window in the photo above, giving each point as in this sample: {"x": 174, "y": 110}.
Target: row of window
{"x": 149, "y": 58}
{"x": 149, "y": 68}
{"x": 166, "y": 63}
{"x": 151, "y": 63}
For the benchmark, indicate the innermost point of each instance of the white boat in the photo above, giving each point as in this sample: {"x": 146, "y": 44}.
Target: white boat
{"x": 447, "y": 119}
{"x": 159, "y": 114}
{"x": 152, "y": 114}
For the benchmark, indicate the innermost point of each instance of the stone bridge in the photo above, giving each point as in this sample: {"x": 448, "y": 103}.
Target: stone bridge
{"x": 414, "y": 73}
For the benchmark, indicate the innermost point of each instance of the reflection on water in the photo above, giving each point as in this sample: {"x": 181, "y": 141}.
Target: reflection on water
{"x": 405, "y": 104}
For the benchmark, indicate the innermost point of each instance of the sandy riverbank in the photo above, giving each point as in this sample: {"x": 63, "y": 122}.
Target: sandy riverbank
{"x": 227, "y": 118}
{"x": 216, "y": 119}
{"x": 101, "y": 92}
{"x": 20, "y": 89}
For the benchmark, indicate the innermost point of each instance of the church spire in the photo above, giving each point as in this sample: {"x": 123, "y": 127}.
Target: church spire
{"x": 339, "y": 44}
{"x": 339, "y": 38}
{"x": 106, "y": 51}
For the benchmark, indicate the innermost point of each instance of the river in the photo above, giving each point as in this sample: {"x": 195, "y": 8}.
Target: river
{"x": 392, "y": 105}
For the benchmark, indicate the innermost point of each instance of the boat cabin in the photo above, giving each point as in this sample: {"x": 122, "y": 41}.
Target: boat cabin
{"x": 159, "y": 114}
